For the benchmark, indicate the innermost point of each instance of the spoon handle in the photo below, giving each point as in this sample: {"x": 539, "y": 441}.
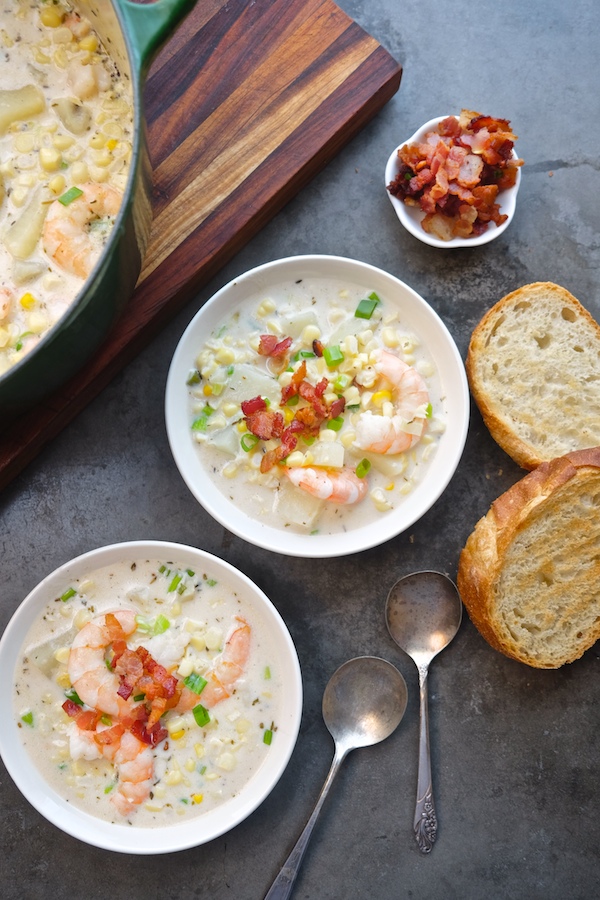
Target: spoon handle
{"x": 425, "y": 823}
{"x": 281, "y": 888}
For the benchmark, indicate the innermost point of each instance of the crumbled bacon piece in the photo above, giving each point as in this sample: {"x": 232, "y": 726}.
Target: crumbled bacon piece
{"x": 454, "y": 174}
{"x": 253, "y": 405}
{"x": 270, "y": 345}
{"x": 265, "y": 424}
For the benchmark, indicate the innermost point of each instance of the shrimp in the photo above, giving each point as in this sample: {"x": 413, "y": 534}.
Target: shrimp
{"x": 405, "y": 427}
{"x": 343, "y": 486}
{"x": 66, "y": 235}
{"x": 134, "y": 761}
{"x": 95, "y": 684}
{"x": 225, "y": 672}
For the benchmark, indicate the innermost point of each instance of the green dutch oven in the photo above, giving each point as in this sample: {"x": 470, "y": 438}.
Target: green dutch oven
{"x": 133, "y": 33}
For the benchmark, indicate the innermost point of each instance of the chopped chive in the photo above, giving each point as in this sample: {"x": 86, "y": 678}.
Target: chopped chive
{"x": 73, "y": 696}
{"x": 230, "y": 370}
{"x": 428, "y": 411}
{"x": 70, "y": 592}
{"x": 194, "y": 377}
{"x": 267, "y": 673}
{"x": 109, "y": 787}
{"x": 201, "y": 715}
{"x": 202, "y": 770}
{"x": 333, "y": 356}
{"x": 336, "y": 423}
{"x": 363, "y": 468}
{"x": 303, "y": 354}
{"x": 27, "y": 718}
{"x": 248, "y": 442}
{"x": 138, "y": 697}
{"x": 195, "y": 682}
{"x": 72, "y": 194}
{"x": 267, "y": 736}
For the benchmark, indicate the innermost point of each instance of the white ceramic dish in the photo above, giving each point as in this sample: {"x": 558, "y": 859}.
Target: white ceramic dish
{"x": 416, "y": 313}
{"x": 411, "y": 216}
{"x": 128, "y": 838}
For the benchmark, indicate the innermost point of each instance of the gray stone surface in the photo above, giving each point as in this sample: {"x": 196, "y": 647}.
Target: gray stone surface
{"x": 514, "y": 749}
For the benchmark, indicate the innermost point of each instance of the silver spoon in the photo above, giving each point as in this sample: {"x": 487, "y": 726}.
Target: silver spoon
{"x": 423, "y": 613}
{"x": 363, "y": 704}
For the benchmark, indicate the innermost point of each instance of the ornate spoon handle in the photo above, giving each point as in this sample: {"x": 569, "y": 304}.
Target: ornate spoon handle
{"x": 425, "y": 823}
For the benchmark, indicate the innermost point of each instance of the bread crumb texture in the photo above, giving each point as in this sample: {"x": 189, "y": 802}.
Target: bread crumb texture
{"x": 534, "y": 371}
{"x": 529, "y": 574}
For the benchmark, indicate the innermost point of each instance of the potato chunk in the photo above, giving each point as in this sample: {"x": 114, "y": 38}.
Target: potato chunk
{"x": 20, "y": 104}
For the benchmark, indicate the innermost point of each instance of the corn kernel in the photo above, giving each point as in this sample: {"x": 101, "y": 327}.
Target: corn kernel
{"x": 173, "y": 777}
{"x": 97, "y": 141}
{"x": 310, "y": 333}
{"x": 82, "y": 617}
{"x": 63, "y": 680}
{"x": 230, "y": 469}
{"x": 175, "y": 724}
{"x": 267, "y": 306}
{"x": 79, "y": 172}
{"x": 186, "y": 667}
{"x": 62, "y": 655}
{"x": 199, "y": 750}
{"x": 51, "y": 17}
{"x": 112, "y": 144}
{"x": 27, "y": 301}
{"x": 24, "y": 142}
{"x": 295, "y": 459}
{"x": 190, "y": 764}
{"x": 390, "y": 486}
{"x": 390, "y": 338}
{"x": 197, "y": 641}
{"x": 57, "y": 184}
{"x": 50, "y": 159}
{"x": 230, "y": 409}
{"x": 225, "y": 356}
{"x": 37, "y": 322}
{"x": 288, "y": 415}
{"x": 197, "y": 798}
{"x": 241, "y": 426}
{"x": 62, "y": 141}
{"x": 177, "y": 735}
{"x": 89, "y": 43}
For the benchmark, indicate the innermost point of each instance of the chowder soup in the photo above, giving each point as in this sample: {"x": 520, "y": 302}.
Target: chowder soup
{"x": 66, "y": 127}
{"x": 315, "y": 406}
{"x": 148, "y": 692}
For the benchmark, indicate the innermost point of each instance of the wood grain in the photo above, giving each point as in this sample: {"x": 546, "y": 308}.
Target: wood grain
{"x": 244, "y": 105}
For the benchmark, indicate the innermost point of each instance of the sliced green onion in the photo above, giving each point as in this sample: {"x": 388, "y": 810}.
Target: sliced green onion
{"x": 293, "y": 400}
{"x": 362, "y": 468}
{"x": 341, "y": 383}
{"x": 352, "y": 407}
{"x": 190, "y": 572}
{"x": 173, "y": 586}
{"x": 303, "y": 354}
{"x": 201, "y": 423}
{"x": 27, "y": 718}
{"x": 106, "y": 720}
{"x": 195, "y": 682}
{"x": 267, "y": 736}
{"x": 336, "y": 423}
{"x": 144, "y": 625}
{"x": 365, "y": 309}
{"x": 72, "y": 194}
{"x": 248, "y": 442}
{"x": 211, "y": 582}
{"x": 267, "y": 673}
{"x": 333, "y": 356}
{"x": 202, "y": 770}
{"x": 163, "y": 570}
{"x": 70, "y": 592}
{"x": 201, "y": 715}
{"x": 194, "y": 377}
{"x": 109, "y": 787}
{"x": 73, "y": 696}
{"x": 230, "y": 370}
{"x": 138, "y": 697}
{"x": 161, "y": 624}
{"x": 308, "y": 439}
{"x": 429, "y": 411}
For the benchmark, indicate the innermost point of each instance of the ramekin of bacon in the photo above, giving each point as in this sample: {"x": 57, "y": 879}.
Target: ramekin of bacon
{"x": 454, "y": 183}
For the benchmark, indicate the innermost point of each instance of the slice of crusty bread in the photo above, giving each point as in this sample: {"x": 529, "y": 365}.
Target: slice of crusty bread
{"x": 534, "y": 371}
{"x": 529, "y": 574}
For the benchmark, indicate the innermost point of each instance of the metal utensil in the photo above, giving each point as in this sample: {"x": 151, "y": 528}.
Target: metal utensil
{"x": 363, "y": 704}
{"x": 423, "y": 613}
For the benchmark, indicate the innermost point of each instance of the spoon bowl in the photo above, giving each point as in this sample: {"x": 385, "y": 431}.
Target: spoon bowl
{"x": 423, "y": 613}
{"x": 363, "y": 704}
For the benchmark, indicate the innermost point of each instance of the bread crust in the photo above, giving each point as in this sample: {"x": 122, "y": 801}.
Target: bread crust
{"x": 483, "y": 557}
{"x": 497, "y": 419}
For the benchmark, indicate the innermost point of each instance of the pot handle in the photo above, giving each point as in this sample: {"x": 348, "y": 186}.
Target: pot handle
{"x": 150, "y": 25}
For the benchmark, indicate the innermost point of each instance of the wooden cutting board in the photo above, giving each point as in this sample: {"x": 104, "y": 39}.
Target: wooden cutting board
{"x": 245, "y": 104}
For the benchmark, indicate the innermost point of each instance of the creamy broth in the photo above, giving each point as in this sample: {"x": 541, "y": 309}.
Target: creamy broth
{"x": 185, "y": 619}
{"x": 353, "y": 361}
{"x": 66, "y": 129}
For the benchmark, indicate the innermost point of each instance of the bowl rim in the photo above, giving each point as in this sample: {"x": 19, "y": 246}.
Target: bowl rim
{"x": 184, "y": 451}
{"x": 411, "y": 217}
{"x": 127, "y": 838}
